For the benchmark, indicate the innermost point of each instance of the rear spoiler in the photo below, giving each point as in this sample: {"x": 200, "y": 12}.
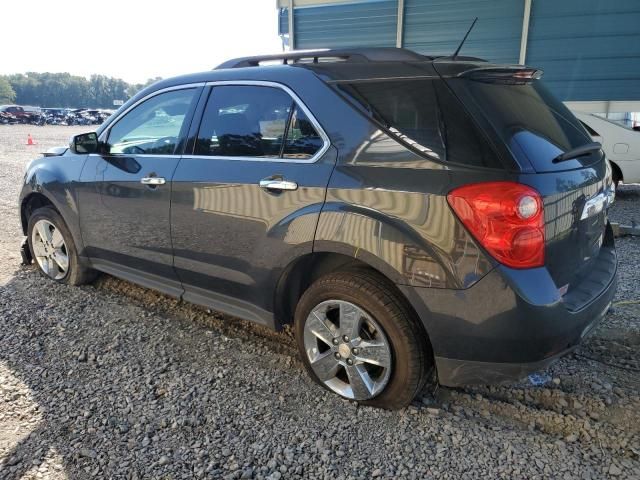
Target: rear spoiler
{"x": 504, "y": 75}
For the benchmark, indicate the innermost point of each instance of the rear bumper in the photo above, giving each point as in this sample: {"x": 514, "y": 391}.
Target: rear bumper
{"x": 510, "y": 323}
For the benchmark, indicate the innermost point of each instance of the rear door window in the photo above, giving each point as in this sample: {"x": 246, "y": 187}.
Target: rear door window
{"x": 258, "y": 122}
{"x": 303, "y": 140}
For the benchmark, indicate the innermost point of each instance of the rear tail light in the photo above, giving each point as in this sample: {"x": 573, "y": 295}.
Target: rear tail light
{"x": 507, "y": 219}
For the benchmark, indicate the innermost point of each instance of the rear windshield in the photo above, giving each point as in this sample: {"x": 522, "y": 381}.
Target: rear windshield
{"x": 534, "y": 125}
{"x": 425, "y": 116}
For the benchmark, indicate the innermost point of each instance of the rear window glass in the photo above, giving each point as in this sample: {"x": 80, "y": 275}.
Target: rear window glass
{"x": 534, "y": 125}
{"x": 591, "y": 131}
{"x": 425, "y": 115}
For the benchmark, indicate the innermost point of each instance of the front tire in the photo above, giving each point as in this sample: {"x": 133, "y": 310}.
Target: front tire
{"x": 358, "y": 338}
{"x": 53, "y": 250}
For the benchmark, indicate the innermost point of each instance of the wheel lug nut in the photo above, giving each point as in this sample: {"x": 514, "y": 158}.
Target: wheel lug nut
{"x": 354, "y": 351}
{"x": 337, "y": 355}
{"x": 349, "y": 361}
{"x": 335, "y": 341}
{"x": 345, "y": 338}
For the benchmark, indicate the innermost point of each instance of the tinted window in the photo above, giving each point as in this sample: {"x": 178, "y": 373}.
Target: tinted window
{"x": 530, "y": 121}
{"x": 244, "y": 121}
{"x": 407, "y": 108}
{"x": 303, "y": 141}
{"x": 591, "y": 131}
{"x": 154, "y": 126}
{"x": 465, "y": 143}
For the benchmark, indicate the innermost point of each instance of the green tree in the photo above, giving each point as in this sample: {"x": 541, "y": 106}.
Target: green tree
{"x": 66, "y": 90}
{"x": 7, "y": 94}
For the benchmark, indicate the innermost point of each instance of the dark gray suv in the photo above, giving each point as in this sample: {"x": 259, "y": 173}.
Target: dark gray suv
{"x": 413, "y": 217}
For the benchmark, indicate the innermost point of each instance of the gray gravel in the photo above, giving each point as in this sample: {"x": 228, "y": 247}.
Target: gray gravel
{"x": 114, "y": 381}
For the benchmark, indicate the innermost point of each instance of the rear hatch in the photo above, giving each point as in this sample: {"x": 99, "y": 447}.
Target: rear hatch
{"x": 525, "y": 122}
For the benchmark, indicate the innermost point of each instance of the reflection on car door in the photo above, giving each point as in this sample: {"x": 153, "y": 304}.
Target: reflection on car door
{"x": 126, "y": 191}
{"x": 246, "y": 202}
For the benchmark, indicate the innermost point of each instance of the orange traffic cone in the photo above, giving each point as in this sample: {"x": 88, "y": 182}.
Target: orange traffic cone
{"x": 30, "y": 140}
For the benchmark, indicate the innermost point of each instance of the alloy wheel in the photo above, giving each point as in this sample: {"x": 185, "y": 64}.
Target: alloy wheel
{"x": 347, "y": 349}
{"x": 49, "y": 249}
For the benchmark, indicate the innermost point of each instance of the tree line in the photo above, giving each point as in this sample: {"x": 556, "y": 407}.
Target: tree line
{"x": 66, "y": 90}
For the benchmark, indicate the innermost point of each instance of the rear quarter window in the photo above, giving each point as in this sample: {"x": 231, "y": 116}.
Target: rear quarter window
{"x": 425, "y": 116}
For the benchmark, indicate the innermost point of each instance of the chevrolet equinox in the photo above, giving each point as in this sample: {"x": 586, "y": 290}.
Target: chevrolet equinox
{"x": 413, "y": 218}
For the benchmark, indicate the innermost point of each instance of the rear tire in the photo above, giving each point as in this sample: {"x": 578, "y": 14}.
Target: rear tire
{"x": 389, "y": 355}
{"x": 53, "y": 250}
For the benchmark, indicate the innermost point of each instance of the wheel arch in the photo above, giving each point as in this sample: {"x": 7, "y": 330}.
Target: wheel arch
{"x": 32, "y": 202}
{"x": 300, "y": 274}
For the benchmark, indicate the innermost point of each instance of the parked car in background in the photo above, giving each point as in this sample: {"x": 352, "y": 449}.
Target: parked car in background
{"x": 621, "y": 145}
{"x": 20, "y": 114}
{"x": 407, "y": 215}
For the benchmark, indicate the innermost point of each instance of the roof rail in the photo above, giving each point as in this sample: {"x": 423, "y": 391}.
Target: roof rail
{"x": 380, "y": 54}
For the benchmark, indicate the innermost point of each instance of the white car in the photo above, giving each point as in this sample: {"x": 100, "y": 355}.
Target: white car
{"x": 621, "y": 145}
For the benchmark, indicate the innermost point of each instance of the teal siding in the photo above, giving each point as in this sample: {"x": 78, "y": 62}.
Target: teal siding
{"x": 588, "y": 49}
{"x": 365, "y": 24}
{"x": 436, "y": 27}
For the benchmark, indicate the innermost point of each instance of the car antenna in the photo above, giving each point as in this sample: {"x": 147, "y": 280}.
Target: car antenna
{"x": 464, "y": 39}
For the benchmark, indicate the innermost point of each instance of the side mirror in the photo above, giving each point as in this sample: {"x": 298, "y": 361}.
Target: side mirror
{"x": 84, "y": 143}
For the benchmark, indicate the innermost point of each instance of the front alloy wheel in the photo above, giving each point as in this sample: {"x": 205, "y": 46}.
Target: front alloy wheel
{"x": 52, "y": 248}
{"x": 49, "y": 249}
{"x": 347, "y": 350}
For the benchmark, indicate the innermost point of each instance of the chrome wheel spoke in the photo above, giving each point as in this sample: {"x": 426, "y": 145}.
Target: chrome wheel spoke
{"x": 360, "y": 381}
{"x": 350, "y": 319}
{"x": 374, "y": 352}
{"x": 62, "y": 260}
{"x": 38, "y": 249}
{"x": 56, "y": 239}
{"x": 43, "y": 231}
{"x": 319, "y": 325}
{"x": 44, "y": 264}
{"x": 51, "y": 267}
{"x": 325, "y": 366}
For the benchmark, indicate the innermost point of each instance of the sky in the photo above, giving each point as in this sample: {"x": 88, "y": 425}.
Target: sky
{"x": 133, "y": 39}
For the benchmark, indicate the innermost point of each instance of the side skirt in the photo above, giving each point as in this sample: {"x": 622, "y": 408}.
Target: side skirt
{"x": 205, "y": 298}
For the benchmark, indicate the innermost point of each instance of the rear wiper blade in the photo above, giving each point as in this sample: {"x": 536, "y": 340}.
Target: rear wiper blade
{"x": 580, "y": 151}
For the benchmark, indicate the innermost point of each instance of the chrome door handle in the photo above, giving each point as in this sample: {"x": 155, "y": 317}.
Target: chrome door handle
{"x": 153, "y": 181}
{"x": 277, "y": 184}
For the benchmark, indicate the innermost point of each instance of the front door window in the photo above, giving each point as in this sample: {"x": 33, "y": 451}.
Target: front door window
{"x": 153, "y": 127}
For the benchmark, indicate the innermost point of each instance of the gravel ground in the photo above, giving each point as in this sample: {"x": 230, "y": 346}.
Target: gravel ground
{"x": 114, "y": 381}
